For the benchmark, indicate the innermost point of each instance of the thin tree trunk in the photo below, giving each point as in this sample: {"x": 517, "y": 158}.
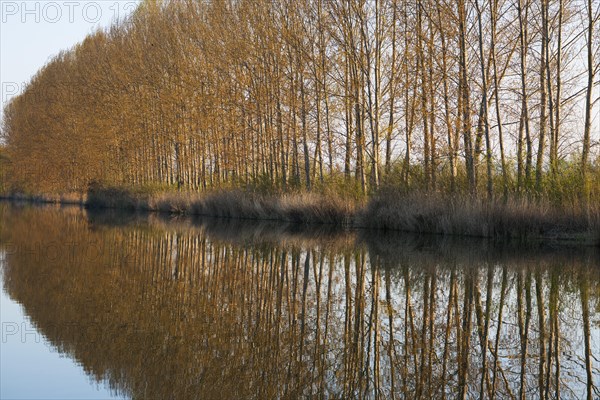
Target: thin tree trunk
{"x": 484, "y": 103}
{"x": 523, "y": 45}
{"x": 587, "y": 127}
{"x": 494, "y": 20}
{"x": 465, "y": 98}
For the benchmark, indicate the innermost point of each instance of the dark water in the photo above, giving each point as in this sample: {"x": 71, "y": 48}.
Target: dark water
{"x": 149, "y": 307}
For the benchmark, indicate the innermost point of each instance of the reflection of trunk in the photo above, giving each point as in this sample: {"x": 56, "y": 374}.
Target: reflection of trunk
{"x": 463, "y": 364}
{"x": 404, "y": 367}
{"x": 293, "y": 312}
{"x": 374, "y": 323}
{"x": 391, "y": 348}
{"x": 174, "y": 256}
{"x": 451, "y": 297}
{"x": 556, "y": 335}
{"x": 423, "y": 343}
{"x": 484, "y": 336}
{"x": 585, "y": 310}
{"x": 498, "y": 329}
{"x": 359, "y": 326}
{"x": 327, "y": 311}
{"x": 409, "y": 346}
{"x": 542, "y": 335}
{"x": 553, "y": 310}
{"x": 523, "y": 325}
{"x": 431, "y": 350}
{"x": 457, "y": 324}
{"x": 318, "y": 275}
{"x": 348, "y": 359}
{"x": 279, "y": 305}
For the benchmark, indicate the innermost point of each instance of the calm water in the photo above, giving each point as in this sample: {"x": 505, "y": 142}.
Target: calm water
{"x": 125, "y": 306}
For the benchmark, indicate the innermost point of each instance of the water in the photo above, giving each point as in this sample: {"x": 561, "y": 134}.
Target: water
{"x": 134, "y": 306}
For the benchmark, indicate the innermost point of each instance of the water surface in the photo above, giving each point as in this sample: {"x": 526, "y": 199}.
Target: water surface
{"x": 146, "y": 306}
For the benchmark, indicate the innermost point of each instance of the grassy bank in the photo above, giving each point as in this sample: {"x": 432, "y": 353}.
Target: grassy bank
{"x": 298, "y": 208}
{"x": 514, "y": 219}
{"x": 521, "y": 219}
{"x": 43, "y": 198}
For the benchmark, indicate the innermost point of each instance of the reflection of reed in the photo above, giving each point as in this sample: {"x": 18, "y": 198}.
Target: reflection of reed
{"x": 189, "y": 309}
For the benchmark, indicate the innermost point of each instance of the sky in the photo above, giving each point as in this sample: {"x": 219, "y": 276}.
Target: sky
{"x": 33, "y": 31}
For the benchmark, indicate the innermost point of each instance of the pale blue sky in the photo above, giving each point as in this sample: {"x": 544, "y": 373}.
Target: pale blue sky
{"x": 33, "y": 31}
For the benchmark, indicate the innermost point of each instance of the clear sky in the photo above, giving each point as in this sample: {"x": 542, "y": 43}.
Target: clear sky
{"x": 33, "y": 31}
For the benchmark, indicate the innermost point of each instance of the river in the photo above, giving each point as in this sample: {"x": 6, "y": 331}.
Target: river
{"x": 120, "y": 305}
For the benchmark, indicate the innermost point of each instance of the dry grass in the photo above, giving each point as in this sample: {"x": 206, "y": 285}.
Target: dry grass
{"x": 437, "y": 213}
{"x": 63, "y": 198}
{"x": 299, "y": 208}
{"x": 514, "y": 218}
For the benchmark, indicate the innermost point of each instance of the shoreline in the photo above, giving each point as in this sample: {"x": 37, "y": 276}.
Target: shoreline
{"x": 44, "y": 199}
{"x": 521, "y": 221}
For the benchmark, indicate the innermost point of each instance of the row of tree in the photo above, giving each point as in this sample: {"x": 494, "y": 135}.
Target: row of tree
{"x": 460, "y": 95}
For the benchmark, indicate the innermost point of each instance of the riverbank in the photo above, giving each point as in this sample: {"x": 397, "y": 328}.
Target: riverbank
{"x": 514, "y": 219}
{"x": 308, "y": 208}
{"x": 67, "y": 198}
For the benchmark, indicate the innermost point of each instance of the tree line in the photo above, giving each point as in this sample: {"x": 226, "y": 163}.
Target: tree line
{"x": 490, "y": 96}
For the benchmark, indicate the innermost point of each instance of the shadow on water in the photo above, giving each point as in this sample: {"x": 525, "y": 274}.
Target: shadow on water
{"x": 164, "y": 307}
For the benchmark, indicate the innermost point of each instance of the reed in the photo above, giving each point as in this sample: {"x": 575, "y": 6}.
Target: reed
{"x": 519, "y": 218}
{"x": 310, "y": 208}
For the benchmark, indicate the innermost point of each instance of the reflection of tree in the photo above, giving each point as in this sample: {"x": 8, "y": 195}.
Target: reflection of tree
{"x": 173, "y": 310}
{"x": 524, "y": 321}
{"x": 584, "y": 288}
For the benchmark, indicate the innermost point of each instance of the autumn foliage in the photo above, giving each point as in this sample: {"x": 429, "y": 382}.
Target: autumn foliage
{"x": 471, "y": 97}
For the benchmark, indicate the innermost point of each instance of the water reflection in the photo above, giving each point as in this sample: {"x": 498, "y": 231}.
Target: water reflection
{"x": 162, "y": 308}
